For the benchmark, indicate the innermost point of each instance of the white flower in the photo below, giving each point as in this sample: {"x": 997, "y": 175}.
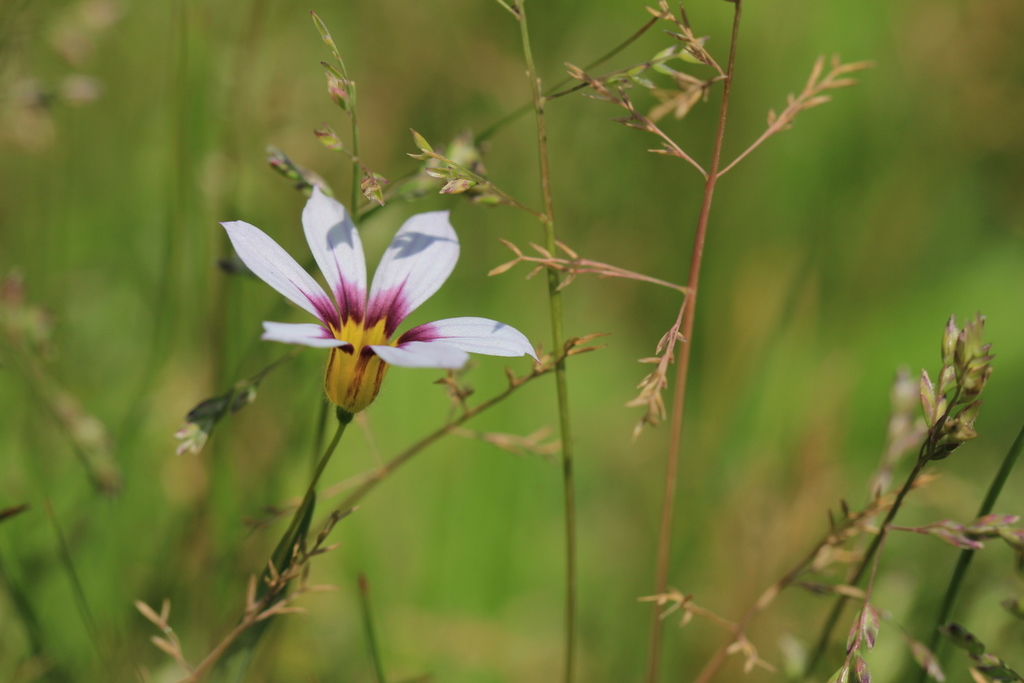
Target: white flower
{"x": 357, "y": 328}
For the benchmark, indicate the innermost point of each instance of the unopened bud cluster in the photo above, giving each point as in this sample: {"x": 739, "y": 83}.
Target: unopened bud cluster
{"x": 952, "y": 406}
{"x": 461, "y": 167}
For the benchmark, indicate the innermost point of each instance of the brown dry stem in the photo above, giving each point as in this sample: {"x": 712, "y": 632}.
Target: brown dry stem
{"x": 811, "y": 96}
{"x": 826, "y": 552}
{"x": 683, "y": 367}
{"x": 573, "y": 266}
{"x": 273, "y": 602}
{"x": 635, "y": 119}
{"x": 365, "y": 482}
{"x": 652, "y": 387}
{"x": 548, "y": 362}
{"x": 677, "y": 601}
{"x": 536, "y": 443}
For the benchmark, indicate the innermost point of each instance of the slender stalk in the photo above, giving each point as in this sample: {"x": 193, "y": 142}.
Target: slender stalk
{"x": 321, "y": 422}
{"x": 245, "y": 637}
{"x": 851, "y": 648}
{"x": 924, "y": 456}
{"x": 30, "y": 623}
{"x": 558, "y": 342}
{"x": 835, "y": 536}
{"x": 357, "y": 175}
{"x": 837, "y": 609}
{"x": 78, "y": 590}
{"x": 284, "y": 548}
{"x": 766, "y": 598}
{"x": 394, "y": 463}
{"x": 371, "y": 635}
{"x": 553, "y": 90}
{"x": 102, "y": 471}
{"x": 964, "y": 562}
{"x": 165, "y": 308}
{"x": 682, "y": 369}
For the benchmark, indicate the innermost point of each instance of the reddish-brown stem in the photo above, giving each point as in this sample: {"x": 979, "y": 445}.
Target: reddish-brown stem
{"x": 679, "y": 394}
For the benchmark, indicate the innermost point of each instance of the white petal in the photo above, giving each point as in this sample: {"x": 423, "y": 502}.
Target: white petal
{"x": 422, "y": 355}
{"x": 272, "y": 264}
{"x": 476, "y": 335}
{"x": 418, "y": 261}
{"x": 307, "y": 334}
{"x": 335, "y": 244}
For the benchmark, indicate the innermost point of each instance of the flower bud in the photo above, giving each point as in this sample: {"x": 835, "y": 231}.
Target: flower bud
{"x": 975, "y": 379}
{"x": 457, "y": 186}
{"x": 338, "y": 90}
{"x": 928, "y": 399}
{"x": 354, "y": 374}
{"x": 949, "y": 338}
{"x": 947, "y": 379}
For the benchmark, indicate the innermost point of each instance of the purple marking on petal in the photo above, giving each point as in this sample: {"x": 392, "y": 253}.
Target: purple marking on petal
{"x": 352, "y": 301}
{"x": 423, "y": 333}
{"x": 472, "y": 334}
{"x": 391, "y": 306}
{"x": 325, "y": 309}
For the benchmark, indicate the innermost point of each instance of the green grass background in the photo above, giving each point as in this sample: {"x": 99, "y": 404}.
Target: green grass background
{"x": 835, "y": 255}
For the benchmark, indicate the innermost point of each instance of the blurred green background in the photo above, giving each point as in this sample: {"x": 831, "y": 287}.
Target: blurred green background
{"x": 835, "y": 255}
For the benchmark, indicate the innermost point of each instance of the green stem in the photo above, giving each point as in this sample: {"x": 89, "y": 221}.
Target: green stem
{"x": 239, "y": 647}
{"x": 357, "y": 175}
{"x": 924, "y": 456}
{"x": 77, "y": 589}
{"x": 553, "y": 90}
{"x": 837, "y": 609}
{"x": 371, "y": 634}
{"x": 165, "y": 308}
{"x": 321, "y": 422}
{"x": 558, "y": 342}
{"x": 964, "y": 562}
{"x": 283, "y": 553}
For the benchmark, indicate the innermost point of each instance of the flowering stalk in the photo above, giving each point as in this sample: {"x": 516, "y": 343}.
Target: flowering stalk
{"x": 964, "y": 562}
{"x": 556, "y": 90}
{"x": 682, "y": 369}
{"x": 300, "y": 520}
{"x": 240, "y": 644}
{"x": 371, "y": 635}
{"x": 358, "y": 324}
{"x": 394, "y": 463}
{"x": 558, "y": 340}
{"x": 950, "y": 406}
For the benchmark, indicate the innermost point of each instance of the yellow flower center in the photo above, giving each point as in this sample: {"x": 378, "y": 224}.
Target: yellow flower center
{"x": 354, "y": 374}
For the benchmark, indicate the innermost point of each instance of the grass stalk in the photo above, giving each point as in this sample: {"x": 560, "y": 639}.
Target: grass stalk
{"x": 371, "y": 634}
{"x": 924, "y": 456}
{"x": 682, "y": 368}
{"x": 553, "y": 91}
{"x": 78, "y": 590}
{"x": 31, "y": 626}
{"x": 357, "y": 174}
{"x": 876, "y": 543}
{"x": 964, "y": 561}
{"x": 165, "y": 306}
{"x": 558, "y": 342}
{"x": 238, "y": 648}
